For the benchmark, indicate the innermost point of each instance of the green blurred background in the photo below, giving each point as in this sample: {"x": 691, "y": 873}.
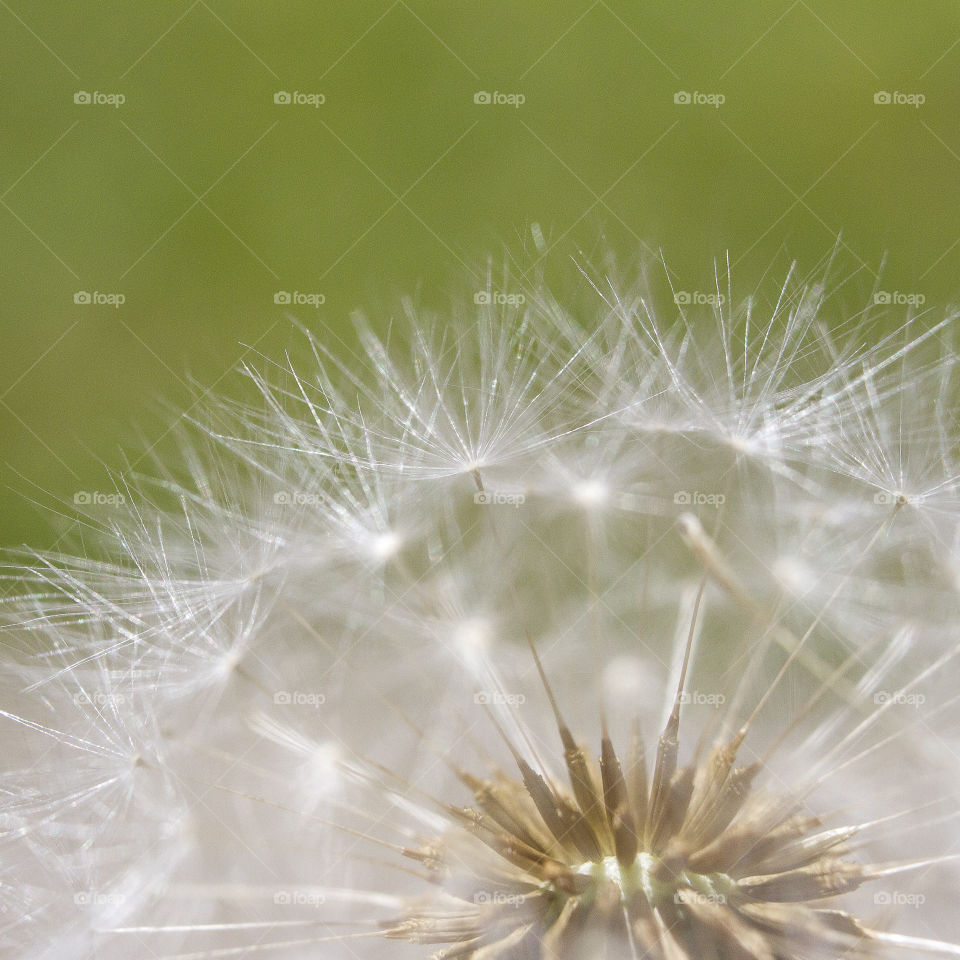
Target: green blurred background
{"x": 199, "y": 198}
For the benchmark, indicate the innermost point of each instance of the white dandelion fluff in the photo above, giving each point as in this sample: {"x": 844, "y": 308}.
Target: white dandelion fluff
{"x": 527, "y": 635}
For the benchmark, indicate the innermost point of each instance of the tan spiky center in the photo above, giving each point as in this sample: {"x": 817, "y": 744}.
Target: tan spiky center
{"x": 685, "y": 862}
{"x": 689, "y": 860}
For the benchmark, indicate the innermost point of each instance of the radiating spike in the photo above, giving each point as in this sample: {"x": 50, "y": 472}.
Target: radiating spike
{"x": 668, "y": 745}
{"x": 585, "y": 790}
{"x": 617, "y": 802}
{"x": 636, "y": 776}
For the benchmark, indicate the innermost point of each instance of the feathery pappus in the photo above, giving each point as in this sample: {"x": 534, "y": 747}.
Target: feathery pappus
{"x": 317, "y": 686}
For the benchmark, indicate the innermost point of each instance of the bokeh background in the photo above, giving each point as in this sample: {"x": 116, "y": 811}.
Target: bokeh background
{"x": 144, "y": 156}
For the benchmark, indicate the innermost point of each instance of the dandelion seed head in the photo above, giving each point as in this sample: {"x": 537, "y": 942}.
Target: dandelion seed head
{"x": 524, "y": 633}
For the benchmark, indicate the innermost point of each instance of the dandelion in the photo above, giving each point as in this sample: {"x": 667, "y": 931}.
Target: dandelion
{"x": 526, "y": 635}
